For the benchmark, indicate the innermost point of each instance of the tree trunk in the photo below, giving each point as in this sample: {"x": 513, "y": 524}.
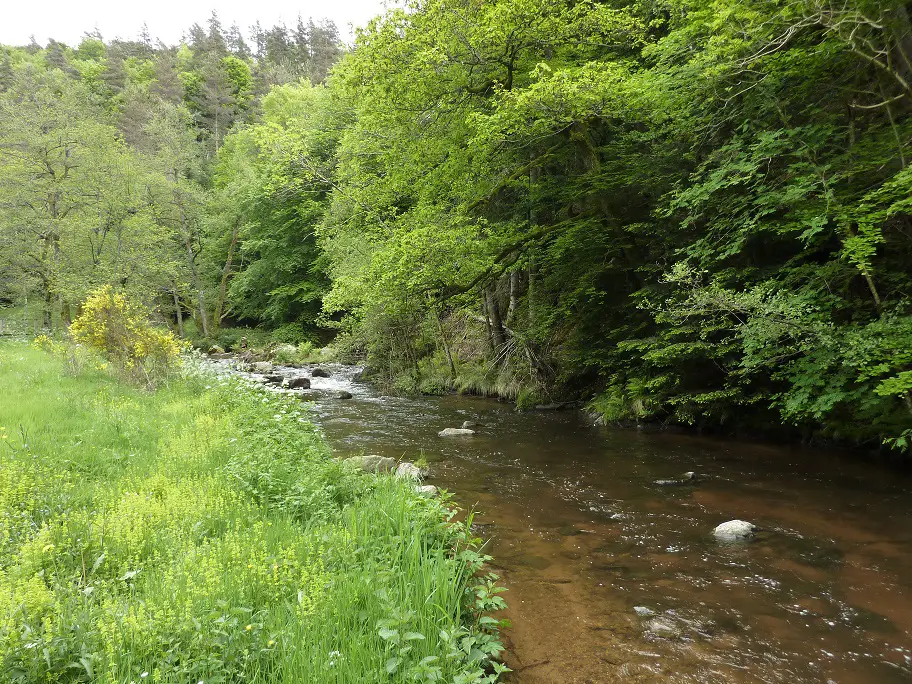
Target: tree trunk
{"x": 202, "y": 312}
{"x": 497, "y": 328}
{"x": 178, "y": 313}
{"x": 223, "y": 285}
{"x": 515, "y": 284}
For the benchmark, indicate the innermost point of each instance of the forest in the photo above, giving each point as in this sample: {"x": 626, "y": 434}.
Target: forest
{"x": 671, "y": 211}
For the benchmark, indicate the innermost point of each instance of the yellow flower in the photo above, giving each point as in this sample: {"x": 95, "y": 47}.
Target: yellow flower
{"x": 47, "y": 547}
{"x": 248, "y": 627}
{"x": 271, "y": 642}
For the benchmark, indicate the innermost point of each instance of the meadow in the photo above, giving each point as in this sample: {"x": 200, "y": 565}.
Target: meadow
{"x": 202, "y": 532}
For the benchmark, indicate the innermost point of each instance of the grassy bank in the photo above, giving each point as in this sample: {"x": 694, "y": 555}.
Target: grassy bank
{"x": 203, "y": 533}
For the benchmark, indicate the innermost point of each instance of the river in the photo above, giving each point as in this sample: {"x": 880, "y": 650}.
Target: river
{"x": 612, "y": 577}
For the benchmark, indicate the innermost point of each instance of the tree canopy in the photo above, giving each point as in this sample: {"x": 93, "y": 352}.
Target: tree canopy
{"x": 685, "y": 210}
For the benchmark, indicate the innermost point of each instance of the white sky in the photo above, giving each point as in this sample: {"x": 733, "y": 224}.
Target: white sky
{"x": 68, "y": 20}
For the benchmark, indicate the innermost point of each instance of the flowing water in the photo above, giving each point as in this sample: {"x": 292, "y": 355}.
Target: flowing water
{"x": 613, "y": 577}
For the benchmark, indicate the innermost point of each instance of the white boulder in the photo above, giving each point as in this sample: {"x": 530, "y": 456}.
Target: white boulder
{"x": 410, "y": 471}
{"x": 734, "y": 530}
{"x": 456, "y": 432}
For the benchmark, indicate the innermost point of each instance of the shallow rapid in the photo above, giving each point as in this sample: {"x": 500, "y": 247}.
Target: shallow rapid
{"x": 614, "y": 577}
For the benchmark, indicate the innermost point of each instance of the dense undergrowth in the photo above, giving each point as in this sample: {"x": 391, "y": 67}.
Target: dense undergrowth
{"x": 202, "y": 533}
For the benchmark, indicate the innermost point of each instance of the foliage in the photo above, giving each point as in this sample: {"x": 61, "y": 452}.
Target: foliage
{"x": 120, "y": 329}
{"x": 201, "y": 532}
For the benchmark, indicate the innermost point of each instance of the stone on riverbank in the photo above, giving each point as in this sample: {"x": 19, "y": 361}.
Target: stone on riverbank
{"x": 734, "y": 530}
{"x": 426, "y": 490}
{"x": 263, "y": 367}
{"x": 319, "y": 373}
{"x": 298, "y": 383}
{"x": 410, "y": 471}
{"x": 456, "y": 432}
{"x": 372, "y": 463}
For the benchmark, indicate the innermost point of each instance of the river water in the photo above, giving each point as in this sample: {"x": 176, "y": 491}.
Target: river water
{"x": 612, "y": 577}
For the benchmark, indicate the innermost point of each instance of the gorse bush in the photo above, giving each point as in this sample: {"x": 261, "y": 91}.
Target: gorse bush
{"x": 120, "y": 329}
{"x": 202, "y": 532}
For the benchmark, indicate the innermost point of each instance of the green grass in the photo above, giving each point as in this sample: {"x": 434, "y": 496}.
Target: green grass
{"x": 203, "y": 533}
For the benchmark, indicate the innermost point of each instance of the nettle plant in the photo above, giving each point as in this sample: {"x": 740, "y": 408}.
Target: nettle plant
{"x": 120, "y": 329}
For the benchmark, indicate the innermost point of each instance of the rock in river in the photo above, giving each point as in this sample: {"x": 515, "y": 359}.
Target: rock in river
{"x": 319, "y": 373}
{"x": 689, "y": 477}
{"x": 734, "y": 530}
{"x": 298, "y": 383}
{"x": 469, "y": 424}
{"x": 343, "y": 395}
{"x": 263, "y": 367}
{"x": 371, "y": 463}
{"x": 456, "y": 432}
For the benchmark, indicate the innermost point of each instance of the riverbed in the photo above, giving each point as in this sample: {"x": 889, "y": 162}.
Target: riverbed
{"x": 613, "y": 577}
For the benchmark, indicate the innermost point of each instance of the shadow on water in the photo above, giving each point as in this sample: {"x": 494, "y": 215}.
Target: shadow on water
{"x": 612, "y": 577}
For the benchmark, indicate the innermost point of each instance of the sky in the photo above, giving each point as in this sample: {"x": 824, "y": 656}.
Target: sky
{"x": 68, "y": 20}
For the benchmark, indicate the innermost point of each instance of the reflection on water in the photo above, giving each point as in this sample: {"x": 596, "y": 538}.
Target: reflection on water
{"x": 582, "y": 536}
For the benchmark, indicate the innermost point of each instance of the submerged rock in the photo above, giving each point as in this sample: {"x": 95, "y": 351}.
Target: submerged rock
{"x": 643, "y": 611}
{"x": 343, "y": 395}
{"x": 426, "y": 490}
{"x": 372, "y": 463}
{"x": 298, "y": 383}
{"x": 456, "y": 432}
{"x": 663, "y": 627}
{"x": 319, "y": 373}
{"x": 556, "y": 406}
{"x": 734, "y": 530}
{"x": 410, "y": 471}
{"x": 689, "y": 477}
{"x": 469, "y": 424}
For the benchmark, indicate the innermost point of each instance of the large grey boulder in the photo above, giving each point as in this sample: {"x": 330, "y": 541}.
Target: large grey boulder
{"x": 410, "y": 471}
{"x": 371, "y": 463}
{"x": 319, "y": 373}
{"x": 456, "y": 432}
{"x": 298, "y": 383}
{"x": 263, "y": 367}
{"x": 734, "y": 530}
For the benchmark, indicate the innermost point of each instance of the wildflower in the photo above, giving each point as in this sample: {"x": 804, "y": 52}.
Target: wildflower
{"x": 144, "y": 675}
{"x": 248, "y": 627}
{"x": 271, "y": 642}
{"x": 47, "y": 547}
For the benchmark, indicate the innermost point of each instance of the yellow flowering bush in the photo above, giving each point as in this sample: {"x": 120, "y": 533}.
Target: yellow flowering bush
{"x": 120, "y": 329}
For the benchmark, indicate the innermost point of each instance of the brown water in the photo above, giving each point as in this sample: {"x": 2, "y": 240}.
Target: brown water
{"x": 582, "y": 535}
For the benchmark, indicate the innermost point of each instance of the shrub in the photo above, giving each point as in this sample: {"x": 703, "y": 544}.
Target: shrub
{"x": 120, "y": 329}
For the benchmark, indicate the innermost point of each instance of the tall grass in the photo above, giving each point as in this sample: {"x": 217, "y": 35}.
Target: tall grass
{"x": 202, "y": 533}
